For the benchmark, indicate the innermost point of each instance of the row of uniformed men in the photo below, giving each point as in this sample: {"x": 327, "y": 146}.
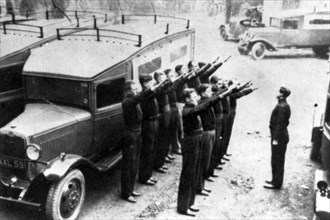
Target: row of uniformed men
{"x": 154, "y": 117}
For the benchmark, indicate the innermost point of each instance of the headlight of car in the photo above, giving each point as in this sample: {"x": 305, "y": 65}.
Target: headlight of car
{"x": 33, "y": 152}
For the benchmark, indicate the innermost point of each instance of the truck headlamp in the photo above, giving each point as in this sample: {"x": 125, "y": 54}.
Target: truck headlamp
{"x": 33, "y": 152}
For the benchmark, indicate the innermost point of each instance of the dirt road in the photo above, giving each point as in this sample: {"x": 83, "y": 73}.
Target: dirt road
{"x": 238, "y": 192}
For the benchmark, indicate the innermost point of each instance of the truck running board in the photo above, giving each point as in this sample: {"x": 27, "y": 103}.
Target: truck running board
{"x": 109, "y": 161}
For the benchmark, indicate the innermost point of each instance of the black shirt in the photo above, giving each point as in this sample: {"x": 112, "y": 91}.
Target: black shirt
{"x": 132, "y": 112}
{"x": 149, "y": 107}
{"x": 190, "y": 116}
{"x": 279, "y": 119}
{"x": 226, "y": 105}
{"x": 172, "y": 97}
{"x": 208, "y": 117}
{"x": 194, "y": 83}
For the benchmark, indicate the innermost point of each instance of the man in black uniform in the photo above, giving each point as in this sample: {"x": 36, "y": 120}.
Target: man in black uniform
{"x": 279, "y": 122}
{"x": 208, "y": 138}
{"x": 181, "y": 101}
{"x": 131, "y": 141}
{"x": 162, "y": 143}
{"x": 174, "y": 125}
{"x": 190, "y": 149}
{"x": 150, "y": 125}
{"x": 218, "y": 111}
{"x": 242, "y": 90}
{"x": 225, "y": 125}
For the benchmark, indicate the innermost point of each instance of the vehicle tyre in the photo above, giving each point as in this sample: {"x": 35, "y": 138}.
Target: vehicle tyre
{"x": 243, "y": 52}
{"x": 66, "y": 197}
{"x": 258, "y": 50}
{"x": 223, "y": 33}
{"x": 321, "y": 51}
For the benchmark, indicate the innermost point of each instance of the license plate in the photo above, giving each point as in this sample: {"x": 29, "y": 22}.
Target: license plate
{"x": 12, "y": 163}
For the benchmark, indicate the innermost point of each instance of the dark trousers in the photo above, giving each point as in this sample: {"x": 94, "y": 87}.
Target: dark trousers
{"x": 277, "y": 162}
{"x": 230, "y": 126}
{"x": 180, "y": 133}
{"x": 224, "y": 134}
{"x": 208, "y": 139}
{"x": 149, "y": 135}
{"x": 174, "y": 127}
{"x": 216, "y": 154}
{"x": 188, "y": 184}
{"x": 131, "y": 146}
{"x": 162, "y": 144}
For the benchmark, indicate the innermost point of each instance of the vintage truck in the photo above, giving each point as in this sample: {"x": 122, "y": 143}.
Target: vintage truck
{"x": 72, "y": 122}
{"x": 307, "y": 30}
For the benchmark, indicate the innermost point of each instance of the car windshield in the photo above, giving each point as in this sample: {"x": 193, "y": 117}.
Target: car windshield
{"x": 57, "y": 90}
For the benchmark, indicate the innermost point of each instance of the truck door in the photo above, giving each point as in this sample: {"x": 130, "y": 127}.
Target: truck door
{"x": 290, "y": 32}
{"x": 108, "y": 120}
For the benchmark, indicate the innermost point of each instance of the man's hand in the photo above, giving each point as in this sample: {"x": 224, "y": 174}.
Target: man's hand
{"x": 275, "y": 142}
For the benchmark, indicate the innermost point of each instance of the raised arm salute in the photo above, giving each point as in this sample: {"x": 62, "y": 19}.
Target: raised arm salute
{"x": 192, "y": 126}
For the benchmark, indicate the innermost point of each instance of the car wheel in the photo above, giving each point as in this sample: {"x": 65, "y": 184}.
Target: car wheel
{"x": 321, "y": 51}
{"x": 243, "y": 52}
{"x": 258, "y": 50}
{"x": 66, "y": 197}
{"x": 223, "y": 33}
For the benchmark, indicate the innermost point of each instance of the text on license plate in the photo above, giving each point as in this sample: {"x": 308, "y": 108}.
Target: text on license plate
{"x": 12, "y": 163}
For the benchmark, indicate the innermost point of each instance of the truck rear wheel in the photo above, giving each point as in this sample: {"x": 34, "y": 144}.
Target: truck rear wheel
{"x": 258, "y": 50}
{"x": 66, "y": 197}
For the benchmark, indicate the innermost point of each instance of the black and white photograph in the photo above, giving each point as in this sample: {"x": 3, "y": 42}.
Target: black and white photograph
{"x": 164, "y": 109}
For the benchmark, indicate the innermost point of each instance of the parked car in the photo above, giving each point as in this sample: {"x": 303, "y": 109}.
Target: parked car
{"x": 238, "y": 26}
{"x": 308, "y": 30}
{"x": 72, "y": 122}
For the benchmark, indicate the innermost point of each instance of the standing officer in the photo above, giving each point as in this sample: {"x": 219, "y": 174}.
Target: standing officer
{"x": 279, "y": 122}
{"x": 131, "y": 142}
{"x": 190, "y": 149}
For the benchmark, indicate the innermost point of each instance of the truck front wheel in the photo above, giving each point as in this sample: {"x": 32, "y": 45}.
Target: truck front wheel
{"x": 66, "y": 197}
{"x": 258, "y": 50}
